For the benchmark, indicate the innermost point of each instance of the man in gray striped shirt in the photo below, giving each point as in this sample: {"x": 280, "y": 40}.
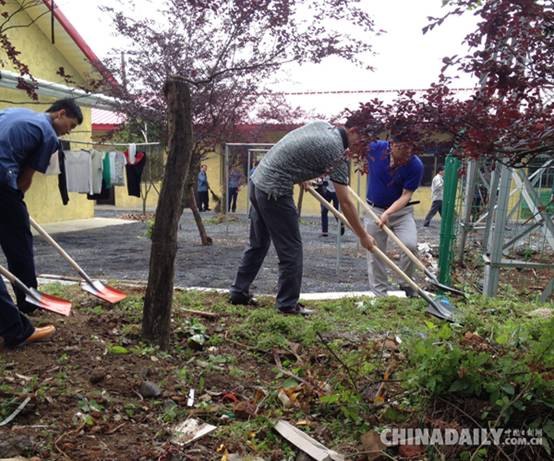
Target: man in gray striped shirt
{"x": 306, "y": 153}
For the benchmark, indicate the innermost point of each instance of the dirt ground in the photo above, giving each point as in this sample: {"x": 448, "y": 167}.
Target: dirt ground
{"x": 122, "y": 253}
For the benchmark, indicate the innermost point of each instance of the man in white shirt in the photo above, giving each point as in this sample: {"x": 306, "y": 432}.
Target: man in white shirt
{"x": 436, "y": 196}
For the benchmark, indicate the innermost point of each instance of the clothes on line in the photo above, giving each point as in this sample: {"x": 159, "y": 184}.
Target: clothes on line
{"x": 94, "y": 173}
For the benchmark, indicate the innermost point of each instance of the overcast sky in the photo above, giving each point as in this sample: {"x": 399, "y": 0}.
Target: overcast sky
{"x": 405, "y": 57}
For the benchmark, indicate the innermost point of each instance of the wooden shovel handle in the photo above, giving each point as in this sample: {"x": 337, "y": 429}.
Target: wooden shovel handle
{"x": 389, "y": 232}
{"x": 60, "y": 250}
{"x": 382, "y": 256}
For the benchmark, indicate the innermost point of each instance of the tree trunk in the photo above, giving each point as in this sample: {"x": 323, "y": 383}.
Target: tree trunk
{"x": 206, "y": 240}
{"x": 159, "y": 292}
{"x": 189, "y": 200}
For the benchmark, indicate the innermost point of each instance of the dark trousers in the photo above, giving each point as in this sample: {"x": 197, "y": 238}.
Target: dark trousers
{"x": 272, "y": 219}
{"x": 203, "y": 200}
{"x": 233, "y": 194}
{"x": 331, "y": 197}
{"x": 435, "y": 206}
{"x": 17, "y": 243}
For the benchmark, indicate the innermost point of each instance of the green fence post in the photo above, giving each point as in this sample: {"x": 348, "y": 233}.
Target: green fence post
{"x": 448, "y": 236}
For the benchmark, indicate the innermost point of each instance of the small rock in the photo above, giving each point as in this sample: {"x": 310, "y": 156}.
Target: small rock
{"x": 148, "y": 390}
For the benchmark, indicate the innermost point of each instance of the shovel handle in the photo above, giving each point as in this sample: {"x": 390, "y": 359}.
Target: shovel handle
{"x": 13, "y": 279}
{"x": 60, "y": 250}
{"x": 375, "y": 250}
{"x": 390, "y": 233}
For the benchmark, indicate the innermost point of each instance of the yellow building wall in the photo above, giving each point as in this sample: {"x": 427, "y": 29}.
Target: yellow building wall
{"x": 43, "y": 199}
{"x": 125, "y": 201}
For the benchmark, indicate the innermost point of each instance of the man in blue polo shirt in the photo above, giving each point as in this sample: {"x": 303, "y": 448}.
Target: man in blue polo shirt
{"x": 394, "y": 173}
{"x": 27, "y": 141}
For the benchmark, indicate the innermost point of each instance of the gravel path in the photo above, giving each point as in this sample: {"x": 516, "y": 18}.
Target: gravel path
{"x": 122, "y": 253}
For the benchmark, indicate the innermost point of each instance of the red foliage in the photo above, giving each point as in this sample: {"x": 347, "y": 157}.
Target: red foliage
{"x": 509, "y": 117}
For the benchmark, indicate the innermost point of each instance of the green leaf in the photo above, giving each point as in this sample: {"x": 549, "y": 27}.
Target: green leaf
{"x": 549, "y": 429}
{"x": 508, "y": 389}
{"x": 118, "y": 350}
{"x": 457, "y": 386}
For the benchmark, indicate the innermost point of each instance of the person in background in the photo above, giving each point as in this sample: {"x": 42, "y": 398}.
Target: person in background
{"x": 235, "y": 181}
{"x": 203, "y": 189}
{"x": 302, "y": 155}
{"x": 394, "y": 173}
{"x": 437, "y": 187}
{"x": 27, "y": 141}
{"x": 327, "y": 190}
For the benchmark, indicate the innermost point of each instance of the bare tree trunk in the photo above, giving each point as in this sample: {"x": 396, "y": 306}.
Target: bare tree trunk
{"x": 189, "y": 200}
{"x": 159, "y": 292}
{"x": 206, "y": 240}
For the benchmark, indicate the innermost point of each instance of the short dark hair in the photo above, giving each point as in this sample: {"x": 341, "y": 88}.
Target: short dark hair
{"x": 70, "y": 106}
{"x": 440, "y": 168}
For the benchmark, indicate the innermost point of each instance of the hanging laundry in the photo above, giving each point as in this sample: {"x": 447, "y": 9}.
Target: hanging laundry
{"x": 96, "y": 171}
{"x": 62, "y": 178}
{"x": 117, "y": 165}
{"x": 132, "y": 151}
{"x": 107, "y": 171}
{"x": 78, "y": 168}
{"x": 54, "y": 165}
{"x": 134, "y": 173}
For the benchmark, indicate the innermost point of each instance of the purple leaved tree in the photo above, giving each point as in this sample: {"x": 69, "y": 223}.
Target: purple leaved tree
{"x": 226, "y": 51}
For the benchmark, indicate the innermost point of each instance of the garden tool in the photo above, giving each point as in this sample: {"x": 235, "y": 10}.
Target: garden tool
{"x": 35, "y": 297}
{"x": 94, "y": 287}
{"x": 439, "y": 307}
{"x": 432, "y": 278}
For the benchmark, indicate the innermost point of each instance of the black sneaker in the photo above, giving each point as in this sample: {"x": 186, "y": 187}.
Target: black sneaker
{"x": 243, "y": 300}
{"x": 299, "y": 309}
{"x": 410, "y": 292}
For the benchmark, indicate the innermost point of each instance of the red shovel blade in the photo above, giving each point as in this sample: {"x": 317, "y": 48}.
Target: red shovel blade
{"x": 104, "y": 292}
{"x": 49, "y": 302}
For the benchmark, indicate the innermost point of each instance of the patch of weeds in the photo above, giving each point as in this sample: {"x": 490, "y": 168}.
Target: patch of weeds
{"x": 63, "y": 358}
{"x": 258, "y": 434}
{"x": 172, "y": 413}
{"x": 183, "y": 375}
{"x": 133, "y": 307}
{"x": 506, "y": 373}
{"x": 95, "y": 310}
{"x": 237, "y": 373}
{"x": 88, "y": 411}
{"x": 58, "y": 289}
{"x": 149, "y": 228}
{"x": 116, "y": 349}
{"x": 346, "y": 402}
{"x": 131, "y": 409}
{"x": 131, "y": 329}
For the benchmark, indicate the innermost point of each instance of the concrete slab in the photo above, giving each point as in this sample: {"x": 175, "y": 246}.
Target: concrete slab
{"x": 325, "y": 296}
{"x": 76, "y": 225}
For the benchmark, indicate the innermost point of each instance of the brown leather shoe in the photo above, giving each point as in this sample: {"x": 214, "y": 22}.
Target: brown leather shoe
{"x": 41, "y": 334}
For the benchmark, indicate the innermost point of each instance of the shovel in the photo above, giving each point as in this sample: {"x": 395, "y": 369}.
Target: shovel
{"x": 439, "y": 307}
{"x": 94, "y": 287}
{"x": 35, "y": 297}
{"x": 405, "y": 249}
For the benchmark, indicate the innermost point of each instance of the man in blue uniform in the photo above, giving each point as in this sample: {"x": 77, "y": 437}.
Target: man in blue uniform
{"x": 394, "y": 173}
{"x": 27, "y": 141}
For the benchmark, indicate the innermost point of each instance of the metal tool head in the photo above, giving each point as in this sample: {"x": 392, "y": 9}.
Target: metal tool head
{"x": 48, "y": 302}
{"x": 104, "y": 292}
